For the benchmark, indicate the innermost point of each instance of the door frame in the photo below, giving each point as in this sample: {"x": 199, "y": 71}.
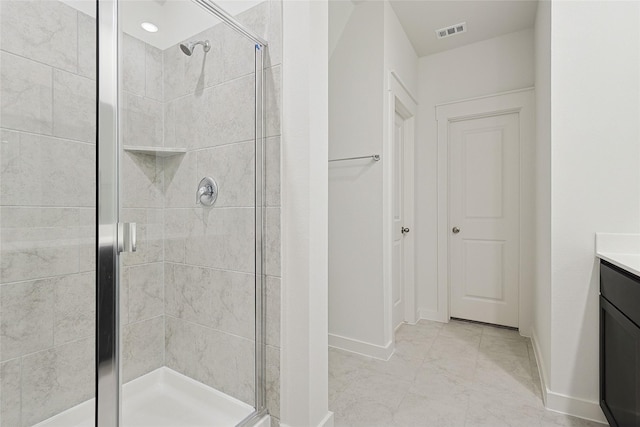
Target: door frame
{"x": 519, "y": 101}
{"x": 401, "y": 101}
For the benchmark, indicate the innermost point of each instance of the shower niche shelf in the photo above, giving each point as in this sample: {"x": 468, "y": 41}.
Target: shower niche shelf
{"x": 155, "y": 151}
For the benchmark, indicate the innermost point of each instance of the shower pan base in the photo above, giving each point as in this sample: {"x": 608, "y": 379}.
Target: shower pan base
{"x": 164, "y": 398}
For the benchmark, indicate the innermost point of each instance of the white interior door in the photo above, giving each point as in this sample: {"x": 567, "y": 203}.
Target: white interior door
{"x": 397, "y": 292}
{"x": 484, "y": 218}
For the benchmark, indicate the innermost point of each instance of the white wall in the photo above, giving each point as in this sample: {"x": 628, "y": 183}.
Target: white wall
{"x": 542, "y": 288}
{"x": 339, "y": 13}
{"x": 488, "y": 67}
{"x": 595, "y": 178}
{"x": 399, "y": 54}
{"x": 371, "y": 43}
{"x": 304, "y": 355}
{"x": 355, "y": 197}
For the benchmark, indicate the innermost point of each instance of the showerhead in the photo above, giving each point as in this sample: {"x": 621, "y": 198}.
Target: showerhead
{"x": 188, "y": 48}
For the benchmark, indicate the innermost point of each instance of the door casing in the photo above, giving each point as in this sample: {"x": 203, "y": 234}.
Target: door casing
{"x": 400, "y": 101}
{"x": 398, "y": 196}
{"x": 521, "y": 102}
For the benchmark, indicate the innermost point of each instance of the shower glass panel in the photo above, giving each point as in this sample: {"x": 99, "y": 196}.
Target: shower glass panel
{"x": 184, "y": 103}
{"x": 190, "y": 109}
{"x": 47, "y": 209}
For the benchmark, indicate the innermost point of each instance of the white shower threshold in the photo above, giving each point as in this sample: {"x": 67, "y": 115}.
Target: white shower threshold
{"x": 164, "y": 398}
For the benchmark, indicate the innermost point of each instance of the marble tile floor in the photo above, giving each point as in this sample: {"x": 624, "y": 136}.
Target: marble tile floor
{"x": 458, "y": 374}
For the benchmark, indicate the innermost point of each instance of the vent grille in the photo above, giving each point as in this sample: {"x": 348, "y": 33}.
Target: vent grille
{"x": 452, "y": 30}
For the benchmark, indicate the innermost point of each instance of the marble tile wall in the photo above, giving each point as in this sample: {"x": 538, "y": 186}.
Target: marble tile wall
{"x": 142, "y": 201}
{"x": 188, "y": 290}
{"x": 209, "y": 252}
{"x": 47, "y": 209}
{"x": 272, "y": 103}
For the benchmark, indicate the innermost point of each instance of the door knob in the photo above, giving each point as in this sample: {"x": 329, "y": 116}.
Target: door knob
{"x": 455, "y": 230}
{"x": 404, "y": 230}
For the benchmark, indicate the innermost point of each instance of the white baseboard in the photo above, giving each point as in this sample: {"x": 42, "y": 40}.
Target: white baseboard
{"x": 541, "y": 368}
{"x": 557, "y": 402}
{"x": 525, "y": 330}
{"x": 432, "y": 315}
{"x": 406, "y": 322}
{"x": 581, "y": 408}
{"x": 361, "y": 347}
{"x": 327, "y": 421}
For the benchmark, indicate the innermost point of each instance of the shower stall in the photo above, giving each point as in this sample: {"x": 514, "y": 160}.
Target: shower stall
{"x": 139, "y": 213}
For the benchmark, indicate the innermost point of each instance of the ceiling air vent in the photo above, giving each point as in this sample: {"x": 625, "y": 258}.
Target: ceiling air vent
{"x": 452, "y": 30}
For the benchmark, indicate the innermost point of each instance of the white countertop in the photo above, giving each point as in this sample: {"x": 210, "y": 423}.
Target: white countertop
{"x": 622, "y": 250}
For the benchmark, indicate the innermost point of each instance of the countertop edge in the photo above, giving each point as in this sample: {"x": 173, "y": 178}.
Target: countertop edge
{"x": 619, "y": 261}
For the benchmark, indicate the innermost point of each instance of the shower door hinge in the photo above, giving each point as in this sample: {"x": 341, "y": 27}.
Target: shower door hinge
{"x": 127, "y": 238}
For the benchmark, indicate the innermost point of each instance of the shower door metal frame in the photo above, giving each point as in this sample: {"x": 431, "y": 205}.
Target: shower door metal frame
{"x": 108, "y": 367}
{"x": 260, "y": 384}
{"x": 107, "y": 409}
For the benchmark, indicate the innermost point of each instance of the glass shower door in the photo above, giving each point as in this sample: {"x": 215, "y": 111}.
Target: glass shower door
{"x": 140, "y": 303}
{"x": 181, "y": 217}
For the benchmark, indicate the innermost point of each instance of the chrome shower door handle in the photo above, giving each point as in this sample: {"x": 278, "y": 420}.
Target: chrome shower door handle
{"x": 133, "y": 236}
{"x": 127, "y": 237}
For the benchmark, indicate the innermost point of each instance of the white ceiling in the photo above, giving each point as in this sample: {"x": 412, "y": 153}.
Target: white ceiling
{"x": 177, "y": 20}
{"x": 485, "y": 19}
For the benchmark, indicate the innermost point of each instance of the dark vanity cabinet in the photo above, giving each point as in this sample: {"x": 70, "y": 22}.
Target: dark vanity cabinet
{"x": 619, "y": 345}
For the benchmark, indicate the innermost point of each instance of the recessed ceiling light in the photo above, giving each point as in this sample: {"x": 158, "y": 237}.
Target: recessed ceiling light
{"x": 148, "y": 26}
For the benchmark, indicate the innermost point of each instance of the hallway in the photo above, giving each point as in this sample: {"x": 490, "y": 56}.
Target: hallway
{"x": 456, "y": 374}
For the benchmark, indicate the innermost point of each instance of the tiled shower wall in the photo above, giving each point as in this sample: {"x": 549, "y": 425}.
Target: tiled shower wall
{"x": 142, "y": 202}
{"x": 187, "y": 297}
{"x": 47, "y": 213}
{"x": 47, "y": 209}
{"x": 209, "y": 252}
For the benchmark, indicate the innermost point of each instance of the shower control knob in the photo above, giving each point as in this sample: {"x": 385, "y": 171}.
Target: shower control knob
{"x": 207, "y": 192}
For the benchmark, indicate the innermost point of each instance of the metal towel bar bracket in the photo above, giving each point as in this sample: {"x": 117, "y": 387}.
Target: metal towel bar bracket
{"x": 374, "y": 157}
